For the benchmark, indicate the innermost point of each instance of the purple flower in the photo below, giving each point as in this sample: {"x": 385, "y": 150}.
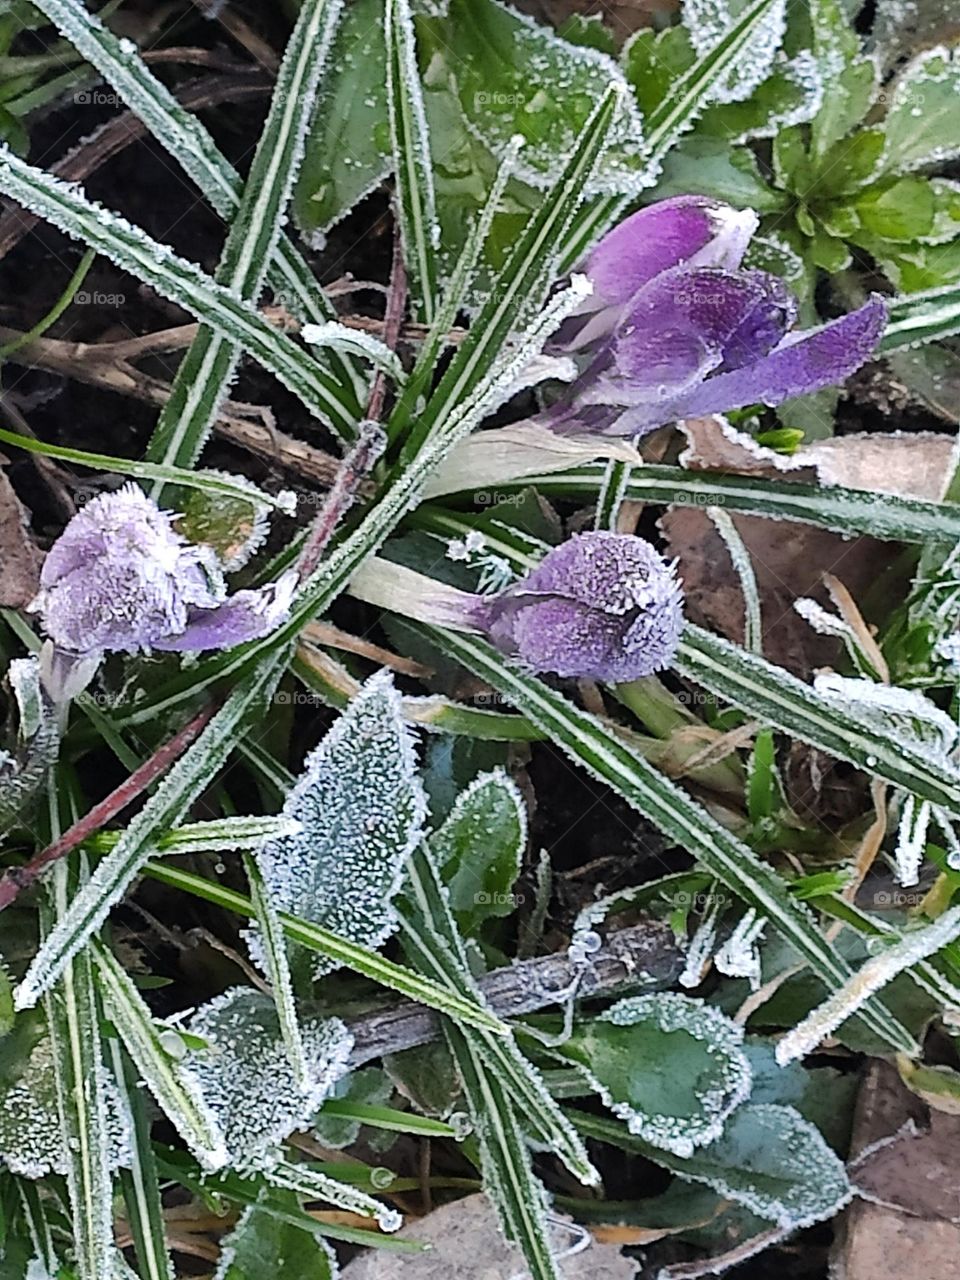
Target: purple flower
{"x": 605, "y": 606}
{"x": 121, "y": 579}
{"x": 694, "y": 231}
{"x": 698, "y": 334}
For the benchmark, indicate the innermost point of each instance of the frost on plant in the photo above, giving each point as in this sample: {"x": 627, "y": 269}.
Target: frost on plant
{"x": 245, "y": 1074}
{"x": 120, "y": 578}
{"x": 905, "y": 715}
{"x": 362, "y": 810}
{"x": 622, "y": 1055}
{"x": 681, "y": 329}
{"x": 31, "y": 1137}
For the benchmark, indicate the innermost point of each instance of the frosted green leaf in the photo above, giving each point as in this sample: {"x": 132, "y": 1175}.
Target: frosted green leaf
{"x": 31, "y": 1139}
{"x": 922, "y": 125}
{"x": 263, "y": 1245}
{"x": 370, "y": 1086}
{"x": 479, "y": 847}
{"x": 246, "y": 1076}
{"x": 850, "y": 78}
{"x": 671, "y": 1067}
{"x": 512, "y": 76}
{"x": 235, "y": 527}
{"x": 709, "y": 20}
{"x": 362, "y": 811}
{"x": 773, "y": 1162}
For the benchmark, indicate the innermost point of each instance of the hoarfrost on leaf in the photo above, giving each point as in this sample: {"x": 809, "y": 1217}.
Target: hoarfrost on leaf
{"x": 911, "y": 840}
{"x": 623, "y": 1055}
{"x": 773, "y": 1162}
{"x": 739, "y": 957}
{"x": 362, "y": 811}
{"x": 708, "y": 21}
{"x": 903, "y": 714}
{"x": 245, "y": 1074}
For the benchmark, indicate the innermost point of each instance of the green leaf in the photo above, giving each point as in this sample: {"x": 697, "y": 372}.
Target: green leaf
{"x": 710, "y": 166}
{"x": 246, "y": 1077}
{"x": 899, "y": 211}
{"x": 361, "y": 809}
{"x": 348, "y": 150}
{"x": 622, "y": 1053}
{"x": 336, "y": 1124}
{"x": 849, "y": 80}
{"x": 479, "y": 847}
{"x": 851, "y": 164}
{"x": 922, "y": 124}
{"x": 927, "y": 316}
{"x": 514, "y": 75}
{"x": 260, "y": 1245}
{"x": 769, "y": 1160}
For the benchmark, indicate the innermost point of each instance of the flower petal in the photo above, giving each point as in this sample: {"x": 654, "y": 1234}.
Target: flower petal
{"x": 804, "y": 362}
{"x": 247, "y": 615}
{"x": 685, "y": 230}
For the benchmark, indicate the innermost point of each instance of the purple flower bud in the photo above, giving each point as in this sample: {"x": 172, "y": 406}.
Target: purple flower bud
{"x": 604, "y": 606}
{"x": 120, "y": 578}
{"x": 687, "y": 332}
{"x": 694, "y": 231}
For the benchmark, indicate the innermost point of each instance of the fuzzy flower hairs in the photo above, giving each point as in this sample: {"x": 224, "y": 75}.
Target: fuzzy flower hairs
{"x": 601, "y": 606}
{"x": 678, "y": 328}
{"x": 121, "y": 579}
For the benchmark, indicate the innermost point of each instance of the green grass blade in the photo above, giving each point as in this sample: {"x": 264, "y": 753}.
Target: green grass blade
{"x": 772, "y": 695}
{"x": 359, "y": 959}
{"x": 917, "y": 318}
{"x": 412, "y": 162}
{"x": 180, "y": 1100}
{"x": 195, "y": 150}
{"x": 206, "y": 371}
{"x": 585, "y": 740}
{"x": 845, "y": 511}
{"x": 175, "y": 278}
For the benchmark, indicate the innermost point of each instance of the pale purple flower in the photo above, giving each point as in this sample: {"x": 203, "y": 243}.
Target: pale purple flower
{"x": 121, "y": 579}
{"x": 698, "y": 334}
{"x": 604, "y": 606}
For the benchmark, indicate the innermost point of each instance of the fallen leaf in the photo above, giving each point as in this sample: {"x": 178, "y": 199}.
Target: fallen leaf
{"x": 465, "y": 1241}
{"x": 19, "y": 555}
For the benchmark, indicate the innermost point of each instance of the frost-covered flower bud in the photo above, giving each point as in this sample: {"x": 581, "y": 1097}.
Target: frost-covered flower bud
{"x": 604, "y": 606}
{"x": 121, "y": 579}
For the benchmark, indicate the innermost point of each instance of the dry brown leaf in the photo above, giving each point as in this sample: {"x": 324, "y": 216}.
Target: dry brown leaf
{"x": 19, "y": 556}
{"x": 465, "y": 1242}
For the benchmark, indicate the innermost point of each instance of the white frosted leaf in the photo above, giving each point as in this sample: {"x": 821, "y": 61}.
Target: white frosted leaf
{"x": 245, "y": 1074}
{"x": 911, "y": 840}
{"x": 22, "y": 773}
{"x": 31, "y": 1138}
{"x": 739, "y": 957}
{"x": 310, "y": 1184}
{"x": 922, "y": 124}
{"x": 903, "y": 714}
{"x": 265, "y": 1246}
{"x": 622, "y": 1053}
{"x": 708, "y": 22}
{"x": 362, "y": 811}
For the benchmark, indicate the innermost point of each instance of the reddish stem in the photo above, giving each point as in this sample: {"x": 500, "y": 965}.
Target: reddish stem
{"x": 17, "y": 879}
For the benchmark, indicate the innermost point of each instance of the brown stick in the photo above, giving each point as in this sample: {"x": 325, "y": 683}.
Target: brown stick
{"x": 645, "y": 954}
{"x": 16, "y": 879}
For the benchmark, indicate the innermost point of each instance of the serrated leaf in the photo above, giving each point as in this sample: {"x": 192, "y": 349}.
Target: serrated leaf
{"x": 514, "y": 75}
{"x": 849, "y": 78}
{"x": 261, "y": 1245}
{"x": 479, "y": 847}
{"x": 623, "y": 1054}
{"x": 245, "y": 1074}
{"x": 922, "y": 124}
{"x": 362, "y": 811}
